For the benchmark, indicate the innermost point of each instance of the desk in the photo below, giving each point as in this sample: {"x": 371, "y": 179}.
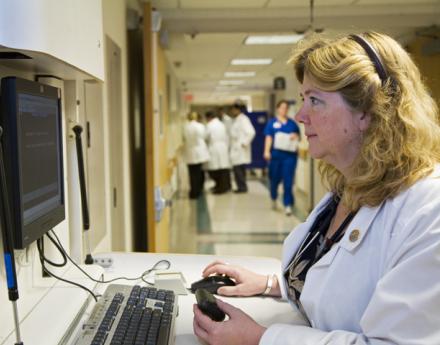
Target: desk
{"x": 55, "y": 323}
{"x": 264, "y": 310}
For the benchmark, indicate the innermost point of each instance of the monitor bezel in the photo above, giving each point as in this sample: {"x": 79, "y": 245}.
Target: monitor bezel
{"x": 11, "y": 87}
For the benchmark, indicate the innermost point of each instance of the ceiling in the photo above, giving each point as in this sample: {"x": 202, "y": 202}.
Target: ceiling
{"x": 201, "y": 37}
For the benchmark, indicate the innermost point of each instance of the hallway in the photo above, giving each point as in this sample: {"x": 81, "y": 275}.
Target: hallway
{"x": 230, "y": 224}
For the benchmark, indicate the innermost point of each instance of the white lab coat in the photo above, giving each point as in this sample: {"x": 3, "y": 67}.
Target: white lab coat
{"x": 382, "y": 288}
{"x": 195, "y": 148}
{"x": 227, "y": 121}
{"x": 242, "y": 133}
{"x": 218, "y": 142}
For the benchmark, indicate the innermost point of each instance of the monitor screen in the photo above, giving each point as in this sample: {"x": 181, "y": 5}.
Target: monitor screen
{"x": 32, "y": 139}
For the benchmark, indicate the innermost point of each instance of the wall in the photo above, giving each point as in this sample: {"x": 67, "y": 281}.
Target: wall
{"x": 169, "y": 111}
{"x": 176, "y": 112}
{"x": 429, "y": 65}
{"x": 260, "y": 102}
{"x": 114, "y": 24}
{"x": 176, "y": 119}
{"x": 161, "y": 160}
{"x": 168, "y": 140}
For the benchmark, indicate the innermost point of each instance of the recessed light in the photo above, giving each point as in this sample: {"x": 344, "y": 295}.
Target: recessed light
{"x": 251, "y": 61}
{"x": 231, "y": 82}
{"x": 239, "y": 74}
{"x": 274, "y": 39}
{"x": 224, "y": 88}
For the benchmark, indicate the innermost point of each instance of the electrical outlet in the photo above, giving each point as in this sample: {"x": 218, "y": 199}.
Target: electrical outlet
{"x": 103, "y": 262}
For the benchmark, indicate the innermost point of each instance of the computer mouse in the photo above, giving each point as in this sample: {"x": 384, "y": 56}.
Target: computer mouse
{"x": 208, "y": 305}
{"x": 212, "y": 283}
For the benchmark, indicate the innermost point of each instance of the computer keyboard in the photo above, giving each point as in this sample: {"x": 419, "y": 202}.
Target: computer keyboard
{"x": 131, "y": 315}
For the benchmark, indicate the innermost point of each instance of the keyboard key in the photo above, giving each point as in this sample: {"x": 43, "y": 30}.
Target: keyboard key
{"x": 164, "y": 332}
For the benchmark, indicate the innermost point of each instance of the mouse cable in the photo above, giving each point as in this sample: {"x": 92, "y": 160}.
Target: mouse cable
{"x": 141, "y": 277}
{"x": 59, "y": 278}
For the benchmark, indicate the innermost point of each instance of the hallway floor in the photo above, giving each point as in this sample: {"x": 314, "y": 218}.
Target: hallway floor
{"x": 230, "y": 224}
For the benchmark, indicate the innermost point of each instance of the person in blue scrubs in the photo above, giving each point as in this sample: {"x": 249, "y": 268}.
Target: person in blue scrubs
{"x": 282, "y": 160}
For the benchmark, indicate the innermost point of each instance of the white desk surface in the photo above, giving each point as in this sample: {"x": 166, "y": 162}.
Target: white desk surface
{"x": 264, "y": 310}
{"x": 47, "y": 325}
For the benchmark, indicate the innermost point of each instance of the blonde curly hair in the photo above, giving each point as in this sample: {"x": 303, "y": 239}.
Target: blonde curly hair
{"x": 402, "y": 143}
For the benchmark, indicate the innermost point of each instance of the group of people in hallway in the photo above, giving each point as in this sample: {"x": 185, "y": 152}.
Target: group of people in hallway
{"x": 226, "y": 140}
{"x": 223, "y": 143}
{"x": 364, "y": 267}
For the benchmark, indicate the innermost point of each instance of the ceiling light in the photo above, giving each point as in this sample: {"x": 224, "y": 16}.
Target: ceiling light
{"x": 239, "y": 74}
{"x": 276, "y": 39}
{"x": 251, "y": 61}
{"x": 231, "y": 82}
{"x": 224, "y": 88}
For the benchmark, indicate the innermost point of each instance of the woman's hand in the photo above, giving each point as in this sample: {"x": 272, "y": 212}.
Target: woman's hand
{"x": 294, "y": 136}
{"x": 248, "y": 283}
{"x": 266, "y": 156}
{"x": 240, "y": 329}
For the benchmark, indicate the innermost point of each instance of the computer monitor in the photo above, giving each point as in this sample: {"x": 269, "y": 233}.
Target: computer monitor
{"x": 33, "y": 153}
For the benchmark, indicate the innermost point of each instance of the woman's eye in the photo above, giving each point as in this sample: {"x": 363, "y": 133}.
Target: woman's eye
{"x": 314, "y": 100}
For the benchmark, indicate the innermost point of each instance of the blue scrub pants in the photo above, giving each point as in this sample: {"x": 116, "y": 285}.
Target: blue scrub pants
{"x": 282, "y": 169}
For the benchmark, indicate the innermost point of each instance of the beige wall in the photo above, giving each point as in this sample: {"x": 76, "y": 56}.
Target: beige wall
{"x": 260, "y": 102}
{"x": 114, "y": 23}
{"x": 429, "y": 65}
{"x": 169, "y": 142}
{"x": 162, "y": 161}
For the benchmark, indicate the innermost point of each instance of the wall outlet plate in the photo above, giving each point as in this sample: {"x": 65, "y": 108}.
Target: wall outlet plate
{"x": 103, "y": 262}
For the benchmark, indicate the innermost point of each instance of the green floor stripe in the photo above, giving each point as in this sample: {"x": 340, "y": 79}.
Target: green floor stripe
{"x": 203, "y": 217}
{"x": 205, "y": 248}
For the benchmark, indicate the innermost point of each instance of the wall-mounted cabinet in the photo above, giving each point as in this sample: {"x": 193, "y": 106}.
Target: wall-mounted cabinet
{"x": 62, "y": 37}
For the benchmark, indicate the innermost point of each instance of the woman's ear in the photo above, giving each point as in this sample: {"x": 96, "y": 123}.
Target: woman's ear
{"x": 364, "y": 121}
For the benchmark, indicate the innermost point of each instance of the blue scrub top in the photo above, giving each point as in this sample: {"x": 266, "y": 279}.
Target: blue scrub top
{"x": 274, "y": 126}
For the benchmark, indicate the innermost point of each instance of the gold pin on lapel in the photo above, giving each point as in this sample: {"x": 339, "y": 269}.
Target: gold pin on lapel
{"x": 354, "y": 235}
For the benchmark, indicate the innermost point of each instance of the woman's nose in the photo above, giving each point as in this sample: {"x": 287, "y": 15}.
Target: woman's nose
{"x": 301, "y": 115}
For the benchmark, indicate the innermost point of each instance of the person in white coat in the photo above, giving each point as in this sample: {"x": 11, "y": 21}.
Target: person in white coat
{"x": 364, "y": 268}
{"x": 224, "y": 118}
{"x": 241, "y": 135}
{"x": 195, "y": 153}
{"x": 218, "y": 142}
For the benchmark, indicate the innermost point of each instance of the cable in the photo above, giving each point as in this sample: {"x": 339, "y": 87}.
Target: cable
{"x": 41, "y": 255}
{"x": 59, "y": 249}
{"x": 142, "y": 276}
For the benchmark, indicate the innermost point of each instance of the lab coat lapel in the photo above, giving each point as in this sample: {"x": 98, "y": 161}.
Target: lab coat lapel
{"x": 358, "y": 228}
{"x": 355, "y": 233}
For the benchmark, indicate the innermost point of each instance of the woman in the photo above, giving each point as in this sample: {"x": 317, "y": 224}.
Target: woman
{"x": 195, "y": 153}
{"x": 280, "y": 146}
{"x": 364, "y": 268}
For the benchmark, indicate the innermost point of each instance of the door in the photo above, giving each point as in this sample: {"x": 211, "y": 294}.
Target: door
{"x": 114, "y": 102}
